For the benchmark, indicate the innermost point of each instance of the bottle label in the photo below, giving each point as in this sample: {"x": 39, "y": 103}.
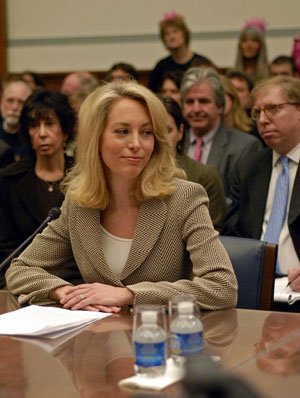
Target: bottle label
{"x": 150, "y": 354}
{"x": 184, "y": 344}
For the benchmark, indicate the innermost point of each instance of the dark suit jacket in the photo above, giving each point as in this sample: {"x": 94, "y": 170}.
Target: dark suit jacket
{"x": 6, "y": 154}
{"x": 20, "y": 211}
{"x": 229, "y": 146}
{"x": 249, "y": 193}
{"x": 208, "y": 177}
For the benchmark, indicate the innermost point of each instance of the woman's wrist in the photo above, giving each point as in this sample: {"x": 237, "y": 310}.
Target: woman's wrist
{"x": 59, "y": 292}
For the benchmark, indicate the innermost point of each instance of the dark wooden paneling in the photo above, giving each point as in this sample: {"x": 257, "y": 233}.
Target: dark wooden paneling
{"x": 3, "y": 41}
{"x": 54, "y": 80}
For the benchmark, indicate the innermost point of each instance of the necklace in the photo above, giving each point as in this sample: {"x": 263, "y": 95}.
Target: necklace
{"x": 50, "y": 185}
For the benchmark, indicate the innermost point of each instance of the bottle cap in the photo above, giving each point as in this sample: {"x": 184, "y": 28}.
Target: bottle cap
{"x": 149, "y": 317}
{"x": 186, "y": 307}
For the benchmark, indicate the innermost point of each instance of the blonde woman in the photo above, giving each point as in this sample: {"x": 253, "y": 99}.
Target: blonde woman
{"x": 137, "y": 233}
{"x": 234, "y": 114}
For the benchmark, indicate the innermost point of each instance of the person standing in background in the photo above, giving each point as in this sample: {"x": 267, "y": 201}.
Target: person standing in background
{"x": 175, "y": 36}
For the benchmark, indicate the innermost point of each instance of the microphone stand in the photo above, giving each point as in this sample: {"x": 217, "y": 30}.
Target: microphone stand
{"x": 53, "y": 214}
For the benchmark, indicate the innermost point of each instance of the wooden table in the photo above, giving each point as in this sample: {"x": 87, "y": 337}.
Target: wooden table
{"x": 261, "y": 347}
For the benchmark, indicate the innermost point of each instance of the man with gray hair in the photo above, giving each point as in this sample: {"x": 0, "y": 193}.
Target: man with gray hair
{"x": 211, "y": 142}
{"x": 14, "y": 93}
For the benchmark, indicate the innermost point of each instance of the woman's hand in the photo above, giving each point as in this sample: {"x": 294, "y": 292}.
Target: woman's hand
{"x": 60, "y": 293}
{"x": 100, "y": 296}
{"x": 294, "y": 279}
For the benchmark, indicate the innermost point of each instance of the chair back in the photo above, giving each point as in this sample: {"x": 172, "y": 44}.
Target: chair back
{"x": 254, "y": 263}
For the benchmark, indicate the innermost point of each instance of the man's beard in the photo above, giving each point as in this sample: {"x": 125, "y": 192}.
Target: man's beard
{"x": 11, "y": 123}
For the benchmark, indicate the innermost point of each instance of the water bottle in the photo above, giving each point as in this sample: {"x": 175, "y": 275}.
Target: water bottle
{"x": 150, "y": 345}
{"x": 186, "y": 333}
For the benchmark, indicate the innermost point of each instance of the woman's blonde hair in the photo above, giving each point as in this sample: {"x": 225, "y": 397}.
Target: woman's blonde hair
{"x": 86, "y": 183}
{"x": 236, "y": 117}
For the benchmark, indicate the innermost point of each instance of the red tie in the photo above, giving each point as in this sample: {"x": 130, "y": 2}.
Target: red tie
{"x": 198, "y": 148}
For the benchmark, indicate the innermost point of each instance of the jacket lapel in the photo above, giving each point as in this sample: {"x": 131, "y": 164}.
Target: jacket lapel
{"x": 91, "y": 241}
{"x": 220, "y": 141}
{"x": 258, "y": 191}
{"x": 294, "y": 210}
{"x": 151, "y": 219}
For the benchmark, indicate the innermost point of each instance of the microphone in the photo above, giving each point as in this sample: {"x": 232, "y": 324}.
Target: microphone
{"x": 52, "y": 215}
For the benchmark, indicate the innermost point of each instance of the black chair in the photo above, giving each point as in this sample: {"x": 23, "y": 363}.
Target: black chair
{"x": 254, "y": 263}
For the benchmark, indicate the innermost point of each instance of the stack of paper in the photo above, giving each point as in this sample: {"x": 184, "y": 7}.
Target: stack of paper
{"x": 48, "y": 322}
{"x": 283, "y": 293}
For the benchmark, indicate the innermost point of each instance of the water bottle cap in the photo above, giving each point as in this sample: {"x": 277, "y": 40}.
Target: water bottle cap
{"x": 186, "y": 307}
{"x": 149, "y": 317}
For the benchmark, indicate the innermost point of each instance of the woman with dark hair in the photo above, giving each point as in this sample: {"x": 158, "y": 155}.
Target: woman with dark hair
{"x": 122, "y": 72}
{"x": 170, "y": 85}
{"x": 31, "y": 187}
{"x": 203, "y": 174}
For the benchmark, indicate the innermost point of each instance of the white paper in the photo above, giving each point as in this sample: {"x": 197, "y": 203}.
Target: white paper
{"x": 284, "y": 293}
{"x": 50, "y": 322}
{"x": 172, "y": 375}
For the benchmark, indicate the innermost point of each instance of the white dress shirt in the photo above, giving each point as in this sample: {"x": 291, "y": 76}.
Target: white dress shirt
{"x": 287, "y": 255}
{"x": 206, "y": 146}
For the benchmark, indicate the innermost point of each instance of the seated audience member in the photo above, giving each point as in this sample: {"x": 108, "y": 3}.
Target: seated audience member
{"x": 175, "y": 36}
{"x": 203, "y": 174}
{"x": 6, "y": 154}
{"x": 296, "y": 53}
{"x": 30, "y": 188}
{"x": 211, "y": 142}
{"x": 34, "y": 80}
{"x": 122, "y": 72}
{"x": 283, "y": 65}
{"x": 137, "y": 233}
{"x": 170, "y": 85}
{"x": 266, "y": 189}
{"x": 251, "y": 55}
{"x": 14, "y": 93}
{"x": 77, "y": 86}
{"x": 234, "y": 114}
{"x": 243, "y": 85}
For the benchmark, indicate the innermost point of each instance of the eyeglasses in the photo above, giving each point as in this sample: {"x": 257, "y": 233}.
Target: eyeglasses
{"x": 270, "y": 110}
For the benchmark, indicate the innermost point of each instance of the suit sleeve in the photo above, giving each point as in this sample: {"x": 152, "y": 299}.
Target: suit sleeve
{"x": 212, "y": 278}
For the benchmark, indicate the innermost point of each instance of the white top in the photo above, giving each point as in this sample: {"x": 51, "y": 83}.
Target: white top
{"x": 115, "y": 250}
{"x": 287, "y": 256}
{"x": 206, "y": 147}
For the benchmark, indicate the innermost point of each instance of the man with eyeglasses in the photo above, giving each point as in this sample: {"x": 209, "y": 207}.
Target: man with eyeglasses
{"x": 266, "y": 191}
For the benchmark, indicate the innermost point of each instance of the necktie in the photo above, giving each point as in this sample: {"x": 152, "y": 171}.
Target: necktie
{"x": 198, "y": 148}
{"x": 279, "y": 208}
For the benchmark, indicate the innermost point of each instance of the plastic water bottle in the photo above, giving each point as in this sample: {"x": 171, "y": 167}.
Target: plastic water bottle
{"x": 186, "y": 333}
{"x": 150, "y": 344}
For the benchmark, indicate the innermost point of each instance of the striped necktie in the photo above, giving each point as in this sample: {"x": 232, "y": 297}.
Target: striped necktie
{"x": 279, "y": 208}
{"x": 198, "y": 148}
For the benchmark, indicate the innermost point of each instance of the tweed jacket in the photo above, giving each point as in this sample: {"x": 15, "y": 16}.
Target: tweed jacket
{"x": 175, "y": 250}
{"x": 207, "y": 176}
